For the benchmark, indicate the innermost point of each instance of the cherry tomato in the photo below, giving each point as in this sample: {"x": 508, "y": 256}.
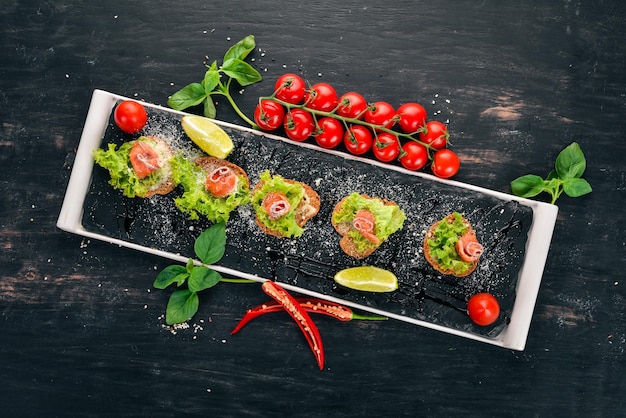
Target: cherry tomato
{"x": 411, "y": 117}
{"x": 299, "y": 124}
{"x": 415, "y": 156}
{"x": 386, "y": 148}
{"x": 380, "y": 113}
{"x": 290, "y": 88}
{"x": 330, "y": 132}
{"x": 269, "y": 115}
{"x": 483, "y": 309}
{"x": 351, "y": 105}
{"x": 445, "y": 163}
{"x": 321, "y": 96}
{"x": 358, "y": 139}
{"x": 130, "y": 116}
{"x": 436, "y": 134}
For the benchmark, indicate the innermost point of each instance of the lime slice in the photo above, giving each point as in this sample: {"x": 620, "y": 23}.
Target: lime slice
{"x": 367, "y": 278}
{"x": 207, "y": 135}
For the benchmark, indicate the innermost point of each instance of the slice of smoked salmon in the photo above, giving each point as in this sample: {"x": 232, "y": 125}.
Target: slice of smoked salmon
{"x": 144, "y": 159}
{"x": 276, "y": 205}
{"x": 221, "y": 182}
{"x": 365, "y": 223}
{"x": 468, "y": 248}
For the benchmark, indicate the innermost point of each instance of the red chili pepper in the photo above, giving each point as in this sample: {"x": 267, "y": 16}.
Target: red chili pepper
{"x": 301, "y": 317}
{"x": 311, "y": 305}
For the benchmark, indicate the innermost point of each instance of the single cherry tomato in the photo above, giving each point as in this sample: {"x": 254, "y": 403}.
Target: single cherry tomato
{"x": 130, "y": 116}
{"x": 351, "y": 105}
{"x": 299, "y": 124}
{"x": 330, "y": 132}
{"x": 269, "y": 115}
{"x": 290, "y": 88}
{"x": 386, "y": 147}
{"x": 415, "y": 156}
{"x": 358, "y": 139}
{"x": 483, "y": 309}
{"x": 411, "y": 117}
{"x": 445, "y": 163}
{"x": 380, "y": 113}
{"x": 436, "y": 134}
{"x": 321, "y": 96}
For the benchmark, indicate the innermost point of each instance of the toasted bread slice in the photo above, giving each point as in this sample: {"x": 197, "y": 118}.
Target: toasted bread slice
{"x": 209, "y": 164}
{"x": 431, "y": 259}
{"x": 308, "y": 207}
{"x": 165, "y": 153}
{"x": 346, "y": 243}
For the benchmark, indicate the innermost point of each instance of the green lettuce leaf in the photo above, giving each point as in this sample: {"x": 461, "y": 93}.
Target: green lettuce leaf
{"x": 443, "y": 245}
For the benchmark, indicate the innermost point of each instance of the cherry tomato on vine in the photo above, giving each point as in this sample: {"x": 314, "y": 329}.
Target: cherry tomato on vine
{"x": 130, "y": 116}
{"x": 415, "y": 156}
{"x": 380, "y": 113}
{"x": 351, "y": 105}
{"x": 358, "y": 139}
{"x": 445, "y": 163}
{"x": 436, "y": 134}
{"x": 321, "y": 96}
{"x": 483, "y": 309}
{"x": 330, "y": 132}
{"x": 269, "y": 115}
{"x": 386, "y": 147}
{"x": 411, "y": 117}
{"x": 290, "y": 88}
{"x": 299, "y": 124}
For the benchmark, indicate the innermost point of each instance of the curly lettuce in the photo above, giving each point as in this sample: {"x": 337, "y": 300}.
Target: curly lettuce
{"x": 388, "y": 218}
{"x": 286, "y": 225}
{"x": 196, "y": 200}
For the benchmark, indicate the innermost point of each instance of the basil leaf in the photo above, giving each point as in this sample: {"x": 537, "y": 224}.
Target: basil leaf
{"x": 527, "y": 186}
{"x": 241, "y": 49}
{"x": 202, "y": 278}
{"x": 211, "y": 244}
{"x": 241, "y": 71}
{"x": 183, "y": 305}
{"x": 169, "y": 275}
{"x": 576, "y": 187}
{"x": 211, "y": 79}
{"x": 571, "y": 163}
{"x": 191, "y": 95}
{"x": 209, "y": 108}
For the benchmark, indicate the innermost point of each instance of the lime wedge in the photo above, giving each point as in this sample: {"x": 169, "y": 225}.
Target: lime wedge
{"x": 207, "y": 135}
{"x": 367, "y": 278}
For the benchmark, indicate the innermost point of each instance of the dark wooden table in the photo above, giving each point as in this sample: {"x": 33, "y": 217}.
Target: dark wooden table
{"x": 81, "y": 327}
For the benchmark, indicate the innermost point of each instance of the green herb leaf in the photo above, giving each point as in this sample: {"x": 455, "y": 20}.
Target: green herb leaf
{"x": 571, "y": 163}
{"x": 169, "y": 275}
{"x": 527, "y": 186}
{"x": 209, "y": 108}
{"x": 576, "y": 187}
{"x": 241, "y": 71}
{"x": 211, "y": 244}
{"x": 182, "y": 306}
{"x": 211, "y": 79}
{"x": 202, "y": 278}
{"x": 190, "y": 266}
{"x": 241, "y": 49}
{"x": 191, "y": 95}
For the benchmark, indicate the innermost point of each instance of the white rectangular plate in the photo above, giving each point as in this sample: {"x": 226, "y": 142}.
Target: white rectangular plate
{"x": 515, "y": 229}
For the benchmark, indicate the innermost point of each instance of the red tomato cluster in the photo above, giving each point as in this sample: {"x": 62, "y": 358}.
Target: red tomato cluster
{"x": 349, "y": 121}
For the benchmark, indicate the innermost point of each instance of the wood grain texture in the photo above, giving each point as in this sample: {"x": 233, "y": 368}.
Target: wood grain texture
{"x": 81, "y": 327}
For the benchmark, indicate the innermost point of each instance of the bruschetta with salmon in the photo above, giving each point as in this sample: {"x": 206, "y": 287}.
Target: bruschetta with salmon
{"x": 212, "y": 187}
{"x": 283, "y": 206}
{"x": 365, "y": 222}
{"x": 139, "y": 168}
{"x": 451, "y": 246}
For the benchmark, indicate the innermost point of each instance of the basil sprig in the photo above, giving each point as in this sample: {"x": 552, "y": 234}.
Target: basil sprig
{"x": 566, "y": 177}
{"x": 233, "y": 68}
{"x": 184, "y": 302}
